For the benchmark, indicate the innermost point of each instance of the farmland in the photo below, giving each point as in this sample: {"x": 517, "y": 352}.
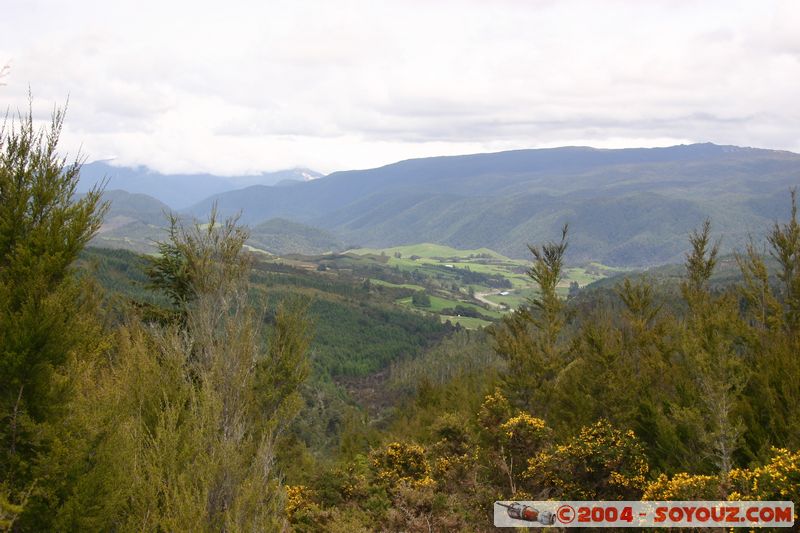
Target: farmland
{"x": 470, "y": 288}
{"x": 481, "y": 280}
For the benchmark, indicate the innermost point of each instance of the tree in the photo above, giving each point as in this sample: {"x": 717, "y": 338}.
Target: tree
{"x": 529, "y": 339}
{"x": 772, "y": 310}
{"x": 46, "y": 312}
{"x": 574, "y": 290}
{"x": 192, "y": 408}
{"x": 711, "y": 350}
{"x": 421, "y": 299}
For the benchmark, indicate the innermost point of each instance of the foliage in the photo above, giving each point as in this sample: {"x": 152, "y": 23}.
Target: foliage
{"x": 710, "y": 349}
{"x": 601, "y": 462}
{"x": 459, "y": 355}
{"x": 401, "y": 462}
{"x": 530, "y": 339}
{"x": 41, "y": 233}
{"x": 421, "y": 299}
{"x": 777, "y": 480}
{"x": 9, "y": 511}
{"x": 193, "y": 408}
{"x": 48, "y": 322}
{"x": 683, "y": 487}
{"x": 282, "y": 237}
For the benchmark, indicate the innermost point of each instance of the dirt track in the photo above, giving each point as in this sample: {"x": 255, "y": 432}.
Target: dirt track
{"x": 481, "y": 296}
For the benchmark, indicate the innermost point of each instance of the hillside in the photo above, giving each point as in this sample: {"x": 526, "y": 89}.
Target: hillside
{"x": 628, "y": 207}
{"x": 133, "y": 222}
{"x": 137, "y": 221}
{"x": 281, "y": 237}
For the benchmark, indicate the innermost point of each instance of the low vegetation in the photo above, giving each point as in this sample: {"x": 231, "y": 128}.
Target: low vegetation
{"x": 208, "y": 388}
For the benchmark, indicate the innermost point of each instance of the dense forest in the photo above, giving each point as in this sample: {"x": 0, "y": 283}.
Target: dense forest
{"x": 202, "y": 389}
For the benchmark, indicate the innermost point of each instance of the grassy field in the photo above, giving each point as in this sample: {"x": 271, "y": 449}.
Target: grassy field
{"x": 376, "y": 281}
{"x": 432, "y": 259}
{"x": 590, "y": 273}
{"x": 466, "y": 322}
{"x": 450, "y": 277}
{"x": 438, "y": 303}
{"x": 428, "y": 250}
{"x": 254, "y": 249}
{"x": 514, "y": 299}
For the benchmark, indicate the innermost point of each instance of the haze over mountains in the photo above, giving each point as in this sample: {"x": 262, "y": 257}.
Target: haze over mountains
{"x": 181, "y": 190}
{"x": 631, "y": 207}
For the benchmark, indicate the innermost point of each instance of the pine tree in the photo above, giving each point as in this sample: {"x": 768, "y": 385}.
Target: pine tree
{"x": 772, "y": 310}
{"x": 529, "y": 340}
{"x": 712, "y": 351}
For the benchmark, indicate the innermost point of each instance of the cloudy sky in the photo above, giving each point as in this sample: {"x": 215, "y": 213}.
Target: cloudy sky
{"x": 236, "y": 86}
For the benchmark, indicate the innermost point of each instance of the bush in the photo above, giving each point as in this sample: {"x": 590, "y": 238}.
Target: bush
{"x": 601, "y": 462}
{"x": 421, "y": 299}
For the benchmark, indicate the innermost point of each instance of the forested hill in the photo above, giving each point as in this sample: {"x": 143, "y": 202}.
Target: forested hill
{"x": 627, "y": 206}
{"x": 138, "y": 221}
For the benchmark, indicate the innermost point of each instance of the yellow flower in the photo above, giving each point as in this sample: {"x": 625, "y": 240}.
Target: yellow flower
{"x": 682, "y": 486}
{"x": 297, "y": 496}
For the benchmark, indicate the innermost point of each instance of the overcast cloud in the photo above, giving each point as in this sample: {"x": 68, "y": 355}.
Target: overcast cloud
{"x": 234, "y": 87}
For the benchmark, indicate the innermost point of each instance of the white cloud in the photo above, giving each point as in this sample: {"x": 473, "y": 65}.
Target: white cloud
{"x": 248, "y": 86}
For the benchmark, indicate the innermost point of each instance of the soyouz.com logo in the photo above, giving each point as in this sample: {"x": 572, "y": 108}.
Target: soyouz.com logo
{"x": 644, "y": 514}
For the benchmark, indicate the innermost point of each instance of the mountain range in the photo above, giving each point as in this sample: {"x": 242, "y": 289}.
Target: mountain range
{"x": 138, "y": 221}
{"x": 181, "y": 190}
{"x": 631, "y": 207}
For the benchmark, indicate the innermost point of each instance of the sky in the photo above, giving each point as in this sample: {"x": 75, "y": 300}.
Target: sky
{"x": 240, "y": 87}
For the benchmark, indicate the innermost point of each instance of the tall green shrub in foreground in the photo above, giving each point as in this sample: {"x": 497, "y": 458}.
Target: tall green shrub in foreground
{"x": 530, "y": 339}
{"x": 47, "y": 325}
{"x": 189, "y": 411}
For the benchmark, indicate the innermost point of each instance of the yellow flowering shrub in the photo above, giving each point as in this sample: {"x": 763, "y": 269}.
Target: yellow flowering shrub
{"x": 683, "y": 486}
{"x": 779, "y": 479}
{"x": 524, "y": 432}
{"x": 509, "y": 439}
{"x": 297, "y": 497}
{"x": 401, "y": 462}
{"x": 494, "y": 411}
{"x": 453, "y": 466}
{"x": 601, "y": 462}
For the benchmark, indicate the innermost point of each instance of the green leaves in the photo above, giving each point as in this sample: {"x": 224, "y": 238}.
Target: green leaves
{"x": 47, "y": 316}
{"x": 194, "y": 406}
{"x": 530, "y": 338}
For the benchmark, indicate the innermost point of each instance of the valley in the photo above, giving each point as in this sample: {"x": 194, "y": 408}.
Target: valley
{"x": 470, "y": 288}
{"x": 627, "y": 208}
{"x": 399, "y": 267}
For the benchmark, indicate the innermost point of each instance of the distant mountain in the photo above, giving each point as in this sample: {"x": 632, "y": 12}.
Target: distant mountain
{"x": 180, "y": 190}
{"x": 137, "y": 221}
{"x": 133, "y": 222}
{"x": 282, "y": 237}
{"x": 625, "y": 207}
